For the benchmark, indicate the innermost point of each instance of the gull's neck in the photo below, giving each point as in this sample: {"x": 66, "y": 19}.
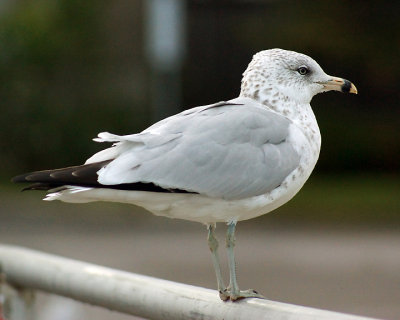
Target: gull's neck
{"x": 300, "y": 114}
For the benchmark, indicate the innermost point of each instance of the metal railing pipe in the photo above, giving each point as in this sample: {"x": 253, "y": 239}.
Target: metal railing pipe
{"x": 137, "y": 294}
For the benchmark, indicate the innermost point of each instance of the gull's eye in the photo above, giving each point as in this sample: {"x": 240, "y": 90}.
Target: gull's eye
{"x": 303, "y": 71}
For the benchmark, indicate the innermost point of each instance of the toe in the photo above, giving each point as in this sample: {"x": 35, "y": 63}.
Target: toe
{"x": 246, "y": 294}
{"x": 224, "y": 295}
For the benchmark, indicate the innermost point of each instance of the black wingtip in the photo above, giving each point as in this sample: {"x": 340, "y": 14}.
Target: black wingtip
{"x": 83, "y": 175}
{"x": 20, "y": 178}
{"x": 37, "y": 186}
{"x": 26, "y": 189}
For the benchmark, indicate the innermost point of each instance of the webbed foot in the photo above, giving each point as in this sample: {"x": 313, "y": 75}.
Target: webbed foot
{"x": 227, "y": 294}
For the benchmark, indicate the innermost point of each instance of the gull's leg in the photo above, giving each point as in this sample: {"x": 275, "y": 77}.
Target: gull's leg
{"x": 233, "y": 287}
{"x": 230, "y": 245}
{"x": 213, "y": 245}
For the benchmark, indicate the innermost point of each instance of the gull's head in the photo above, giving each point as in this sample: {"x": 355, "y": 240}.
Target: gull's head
{"x": 293, "y": 75}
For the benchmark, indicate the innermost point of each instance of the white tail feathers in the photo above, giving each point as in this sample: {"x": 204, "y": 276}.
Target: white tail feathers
{"x": 107, "y": 137}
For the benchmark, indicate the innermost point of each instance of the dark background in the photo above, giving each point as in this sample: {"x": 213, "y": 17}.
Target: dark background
{"x": 70, "y": 69}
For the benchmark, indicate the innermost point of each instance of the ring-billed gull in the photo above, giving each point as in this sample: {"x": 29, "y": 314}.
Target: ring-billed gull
{"x": 225, "y": 162}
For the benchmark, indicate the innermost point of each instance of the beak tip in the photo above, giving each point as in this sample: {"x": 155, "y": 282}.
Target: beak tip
{"x": 348, "y": 87}
{"x": 353, "y": 89}
{"x": 339, "y": 84}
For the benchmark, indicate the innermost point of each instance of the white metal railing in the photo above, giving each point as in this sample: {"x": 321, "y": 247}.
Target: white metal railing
{"x": 28, "y": 270}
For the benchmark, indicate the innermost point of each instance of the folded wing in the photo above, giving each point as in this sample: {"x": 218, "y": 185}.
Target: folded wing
{"x": 226, "y": 150}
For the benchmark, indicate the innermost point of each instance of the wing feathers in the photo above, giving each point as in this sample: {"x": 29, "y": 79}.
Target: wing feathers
{"x": 83, "y": 176}
{"x": 226, "y": 150}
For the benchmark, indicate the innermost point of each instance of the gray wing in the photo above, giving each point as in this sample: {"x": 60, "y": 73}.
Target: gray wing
{"x": 229, "y": 151}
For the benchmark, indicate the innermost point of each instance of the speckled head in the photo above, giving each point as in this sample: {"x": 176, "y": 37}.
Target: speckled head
{"x": 293, "y": 75}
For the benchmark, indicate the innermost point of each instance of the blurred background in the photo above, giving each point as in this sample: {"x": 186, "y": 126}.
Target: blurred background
{"x": 70, "y": 69}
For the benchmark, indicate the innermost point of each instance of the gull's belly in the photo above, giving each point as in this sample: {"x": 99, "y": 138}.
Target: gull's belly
{"x": 208, "y": 210}
{"x": 192, "y": 207}
{"x": 199, "y": 208}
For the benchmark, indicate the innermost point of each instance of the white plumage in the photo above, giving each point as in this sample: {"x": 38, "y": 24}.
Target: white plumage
{"x": 224, "y": 162}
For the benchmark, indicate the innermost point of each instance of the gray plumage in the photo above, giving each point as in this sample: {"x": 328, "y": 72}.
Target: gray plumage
{"x": 201, "y": 150}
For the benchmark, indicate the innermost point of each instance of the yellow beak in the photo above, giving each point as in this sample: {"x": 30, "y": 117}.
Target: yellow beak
{"x": 339, "y": 84}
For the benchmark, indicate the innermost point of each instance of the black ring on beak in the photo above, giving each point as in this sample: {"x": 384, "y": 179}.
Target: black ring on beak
{"x": 346, "y": 86}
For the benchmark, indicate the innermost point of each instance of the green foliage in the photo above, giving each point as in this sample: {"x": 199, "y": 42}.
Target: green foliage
{"x": 54, "y": 97}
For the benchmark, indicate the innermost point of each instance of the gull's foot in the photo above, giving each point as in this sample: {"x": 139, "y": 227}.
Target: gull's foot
{"x": 228, "y": 295}
{"x": 224, "y": 295}
{"x": 250, "y": 293}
